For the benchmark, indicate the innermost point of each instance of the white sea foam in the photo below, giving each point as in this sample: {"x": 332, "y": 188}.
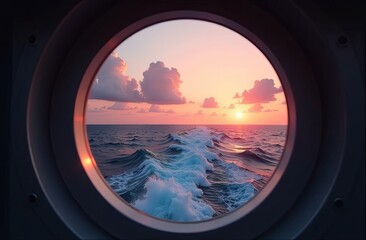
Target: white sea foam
{"x": 240, "y": 187}
{"x": 170, "y": 200}
{"x": 185, "y": 173}
{"x": 174, "y": 192}
{"x": 173, "y": 184}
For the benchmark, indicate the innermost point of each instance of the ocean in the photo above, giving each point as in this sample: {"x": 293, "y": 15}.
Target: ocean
{"x": 186, "y": 173}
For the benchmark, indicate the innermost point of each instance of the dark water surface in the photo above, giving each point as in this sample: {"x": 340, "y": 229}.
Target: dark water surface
{"x": 186, "y": 172}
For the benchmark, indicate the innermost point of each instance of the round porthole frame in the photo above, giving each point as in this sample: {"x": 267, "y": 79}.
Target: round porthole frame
{"x": 305, "y": 123}
{"x": 90, "y": 165}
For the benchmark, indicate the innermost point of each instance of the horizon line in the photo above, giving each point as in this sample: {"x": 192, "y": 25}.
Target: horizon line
{"x": 185, "y": 124}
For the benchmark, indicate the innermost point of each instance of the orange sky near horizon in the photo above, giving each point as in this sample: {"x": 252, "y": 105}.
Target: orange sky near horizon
{"x": 203, "y": 66}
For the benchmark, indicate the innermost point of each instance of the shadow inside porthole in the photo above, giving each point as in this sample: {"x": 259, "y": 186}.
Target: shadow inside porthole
{"x": 186, "y": 120}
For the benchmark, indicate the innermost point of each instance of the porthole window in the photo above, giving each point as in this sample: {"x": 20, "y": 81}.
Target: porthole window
{"x": 186, "y": 121}
{"x": 177, "y": 119}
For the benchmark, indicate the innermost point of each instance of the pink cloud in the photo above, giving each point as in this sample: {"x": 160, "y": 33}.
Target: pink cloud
{"x": 263, "y": 91}
{"x": 232, "y": 106}
{"x": 157, "y": 108}
{"x": 113, "y": 84}
{"x": 237, "y": 95}
{"x": 170, "y": 111}
{"x": 121, "y": 106}
{"x": 210, "y": 103}
{"x": 95, "y": 109}
{"x": 270, "y": 110}
{"x": 257, "y": 107}
{"x": 200, "y": 112}
{"x": 160, "y": 85}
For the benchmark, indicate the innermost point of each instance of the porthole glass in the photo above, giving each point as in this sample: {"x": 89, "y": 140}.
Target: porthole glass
{"x": 186, "y": 120}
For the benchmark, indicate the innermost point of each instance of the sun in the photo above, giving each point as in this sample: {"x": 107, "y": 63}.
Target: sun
{"x": 239, "y": 115}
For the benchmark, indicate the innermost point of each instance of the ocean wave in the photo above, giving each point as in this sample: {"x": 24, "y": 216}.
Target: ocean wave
{"x": 186, "y": 170}
{"x": 192, "y": 175}
{"x": 115, "y": 144}
{"x": 168, "y": 199}
{"x": 169, "y": 139}
{"x": 249, "y": 155}
{"x": 135, "y": 157}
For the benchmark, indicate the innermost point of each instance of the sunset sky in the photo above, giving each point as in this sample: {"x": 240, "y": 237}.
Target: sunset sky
{"x": 186, "y": 72}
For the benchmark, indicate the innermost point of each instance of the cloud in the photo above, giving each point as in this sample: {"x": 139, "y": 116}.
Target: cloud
{"x": 237, "y": 95}
{"x": 200, "y": 112}
{"x": 94, "y": 109}
{"x": 213, "y": 114}
{"x": 210, "y": 103}
{"x": 160, "y": 85}
{"x": 263, "y": 92}
{"x": 113, "y": 84}
{"x": 121, "y": 106}
{"x": 143, "y": 110}
{"x": 232, "y": 106}
{"x": 257, "y": 107}
{"x": 170, "y": 111}
{"x": 157, "y": 108}
{"x": 270, "y": 110}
